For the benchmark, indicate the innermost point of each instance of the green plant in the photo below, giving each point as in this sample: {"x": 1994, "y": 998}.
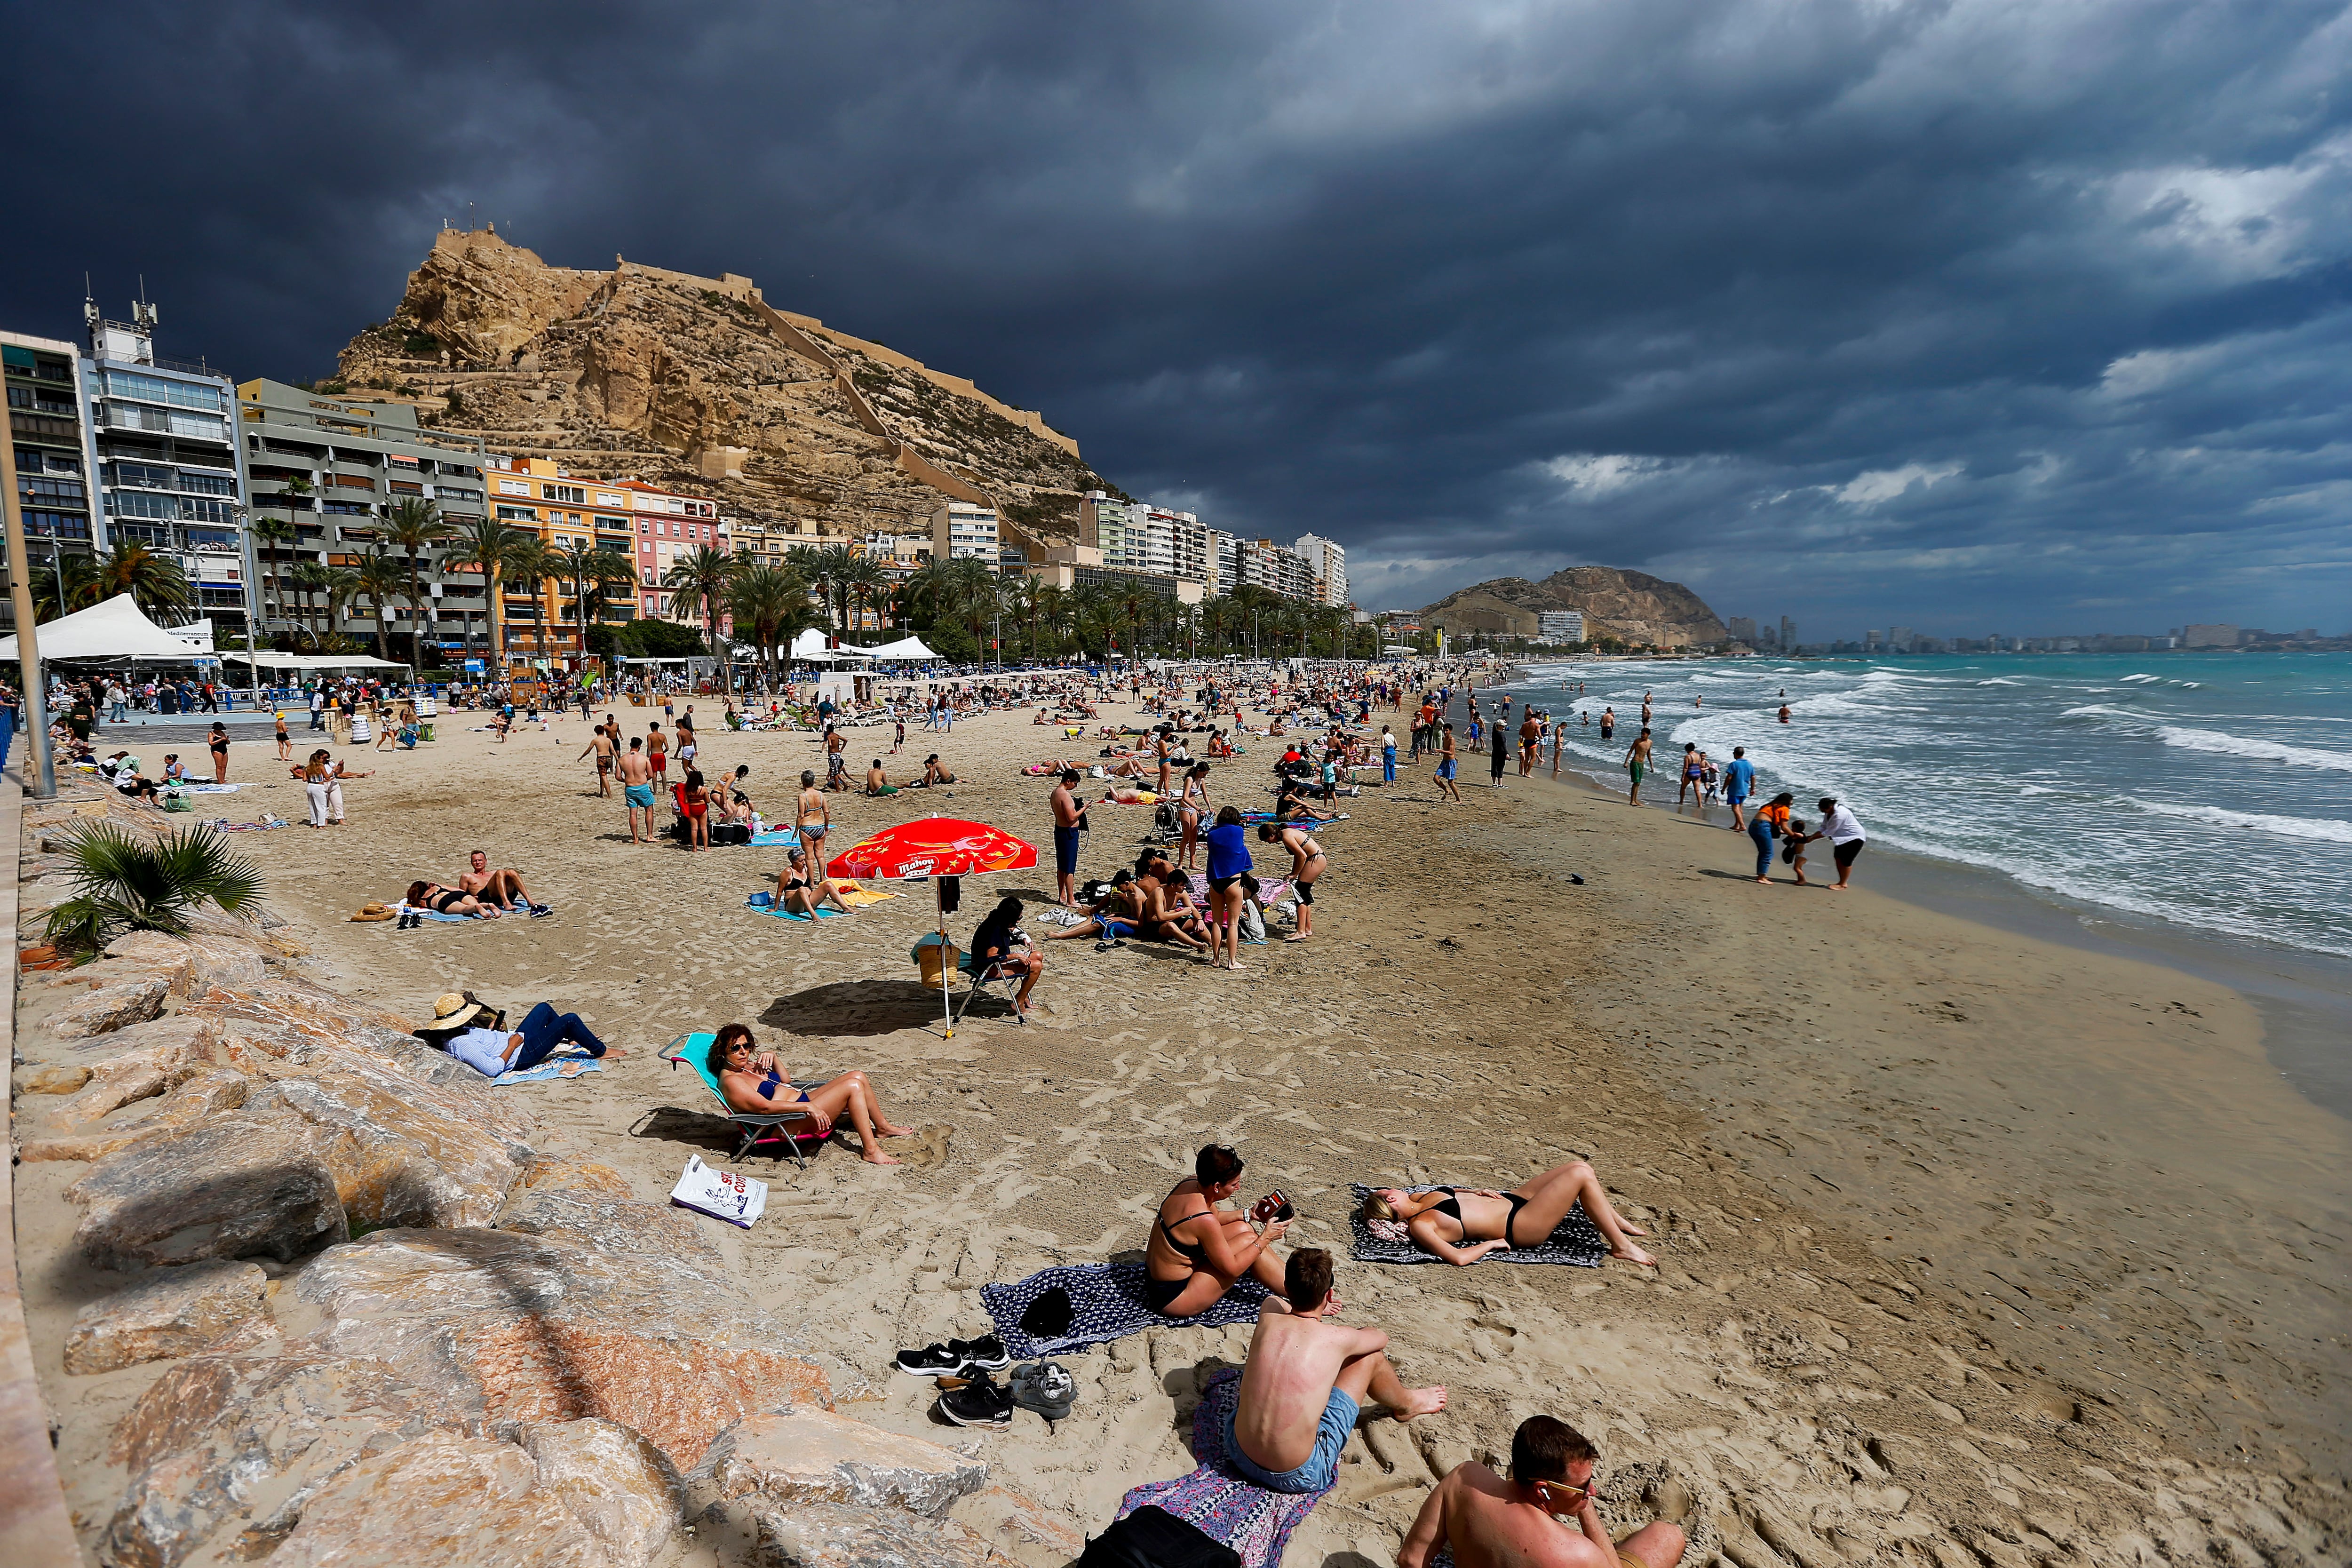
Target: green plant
{"x": 132, "y": 882}
{"x": 421, "y": 345}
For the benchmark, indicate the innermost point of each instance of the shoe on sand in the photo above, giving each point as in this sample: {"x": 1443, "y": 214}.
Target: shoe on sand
{"x": 932, "y": 1361}
{"x": 980, "y": 1401}
{"x": 1045, "y": 1387}
{"x": 987, "y": 1352}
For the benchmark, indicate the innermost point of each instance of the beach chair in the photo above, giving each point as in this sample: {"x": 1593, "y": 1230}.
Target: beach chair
{"x": 759, "y": 1127}
{"x": 926, "y": 955}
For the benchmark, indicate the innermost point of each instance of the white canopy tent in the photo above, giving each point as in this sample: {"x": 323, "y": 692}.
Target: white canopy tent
{"x": 809, "y": 648}
{"x": 305, "y": 661}
{"x": 117, "y": 631}
{"x": 903, "y": 648}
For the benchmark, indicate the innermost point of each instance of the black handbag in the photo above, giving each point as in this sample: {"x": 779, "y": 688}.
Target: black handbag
{"x": 1154, "y": 1538}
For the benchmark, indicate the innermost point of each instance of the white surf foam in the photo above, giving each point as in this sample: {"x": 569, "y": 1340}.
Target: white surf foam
{"x": 2326, "y": 829}
{"x": 2247, "y": 746}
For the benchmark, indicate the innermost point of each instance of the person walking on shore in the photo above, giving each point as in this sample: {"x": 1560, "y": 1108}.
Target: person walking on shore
{"x": 637, "y": 787}
{"x": 1844, "y": 833}
{"x": 1739, "y": 779}
{"x": 601, "y": 744}
{"x": 1499, "y": 758}
{"x": 1388, "y": 755}
{"x": 1637, "y": 763}
{"x": 1446, "y": 764}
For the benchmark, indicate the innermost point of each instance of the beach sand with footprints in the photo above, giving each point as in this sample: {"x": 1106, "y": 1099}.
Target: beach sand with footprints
{"x": 1974, "y": 1249}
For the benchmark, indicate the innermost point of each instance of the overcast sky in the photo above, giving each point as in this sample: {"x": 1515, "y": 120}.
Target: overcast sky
{"x": 2023, "y": 317}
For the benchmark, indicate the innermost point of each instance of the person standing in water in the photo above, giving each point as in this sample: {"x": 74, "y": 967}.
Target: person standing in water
{"x": 1608, "y": 724}
{"x": 1637, "y": 763}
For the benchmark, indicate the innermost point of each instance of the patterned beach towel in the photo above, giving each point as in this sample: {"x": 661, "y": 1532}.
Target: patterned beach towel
{"x": 1575, "y": 1241}
{"x": 553, "y": 1068}
{"x": 1254, "y": 1523}
{"x": 1106, "y": 1302}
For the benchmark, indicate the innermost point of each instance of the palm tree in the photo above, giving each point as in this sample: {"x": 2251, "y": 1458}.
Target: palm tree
{"x": 379, "y": 578}
{"x": 526, "y": 559}
{"x": 154, "y": 582}
{"x": 828, "y": 568}
{"x": 308, "y": 577}
{"x": 482, "y": 543}
{"x": 416, "y": 524}
{"x": 70, "y": 585}
{"x": 588, "y": 569}
{"x": 865, "y": 583}
{"x": 700, "y": 579}
{"x": 124, "y": 881}
{"x": 773, "y": 602}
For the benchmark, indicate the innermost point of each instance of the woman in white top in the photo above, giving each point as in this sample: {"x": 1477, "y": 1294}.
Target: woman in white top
{"x": 1845, "y": 838}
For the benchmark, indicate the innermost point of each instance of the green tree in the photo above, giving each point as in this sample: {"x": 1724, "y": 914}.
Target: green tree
{"x": 526, "y": 559}
{"x": 274, "y": 533}
{"x": 699, "y": 581}
{"x": 483, "y": 543}
{"x": 773, "y": 603}
{"x": 136, "y": 881}
{"x": 414, "y": 525}
{"x": 154, "y": 581}
{"x": 588, "y": 568}
{"x": 380, "y": 580}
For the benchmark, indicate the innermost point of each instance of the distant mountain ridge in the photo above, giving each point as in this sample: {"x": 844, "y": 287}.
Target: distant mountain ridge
{"x": 1632, "y": 607}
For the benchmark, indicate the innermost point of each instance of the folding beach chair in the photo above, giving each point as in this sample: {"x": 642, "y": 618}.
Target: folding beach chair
{"x": 759, "y": 1126}
{"x": 926, "y": 955}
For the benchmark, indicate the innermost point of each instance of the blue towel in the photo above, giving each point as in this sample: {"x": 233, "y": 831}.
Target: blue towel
{"x": 765, "y": 904}
{"x": 554, "y": 1066}
{"x": 775, "y": 837}
{"x": 432, "y": 914}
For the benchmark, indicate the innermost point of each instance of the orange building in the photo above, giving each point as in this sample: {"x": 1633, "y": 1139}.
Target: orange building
{"x": 650, "y": 526}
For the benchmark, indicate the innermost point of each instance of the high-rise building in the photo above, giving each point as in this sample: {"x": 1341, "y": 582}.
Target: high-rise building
{"x": 1742, "y": 629}
{"x": 1329, "y": 562}
{"x": 963, "y": 529}
{"x": 52, "y": 451}
{"x": 325, "y": 473}
{"x": 1900, "y": 638}
{"x": 170, "y": 474}
{"x": 2217, "y": 635}
{"x": 1561, "y": 625}
{"x": 1788, "y": 635}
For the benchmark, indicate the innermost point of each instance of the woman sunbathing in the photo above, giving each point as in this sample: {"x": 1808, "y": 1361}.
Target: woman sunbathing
{"x": 1116, "y": 916}
{"x": 444, "y": 900}
{"x": 1462, "y": 1224}
{"x": 1199, "y": 1249}
{"x": 802, "y": 890}
{"x": 751, "y": 1080}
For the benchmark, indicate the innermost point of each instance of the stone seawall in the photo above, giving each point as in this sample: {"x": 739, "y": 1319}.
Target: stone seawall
{"x": 306, "y": 1291}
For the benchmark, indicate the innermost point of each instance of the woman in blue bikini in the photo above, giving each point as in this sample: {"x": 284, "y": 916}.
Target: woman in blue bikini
{"x": 1462, "y": 1224}
{"x": 751, "y": 1080}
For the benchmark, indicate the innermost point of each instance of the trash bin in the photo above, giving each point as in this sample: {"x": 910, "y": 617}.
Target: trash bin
{"x": 928, "y": 960}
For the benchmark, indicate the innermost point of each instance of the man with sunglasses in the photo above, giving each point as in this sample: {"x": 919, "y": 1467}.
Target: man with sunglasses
{"x": 1486, "y": 1522}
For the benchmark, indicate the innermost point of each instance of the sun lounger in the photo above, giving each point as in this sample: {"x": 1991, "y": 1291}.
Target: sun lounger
{"x": 759, "y": 1126}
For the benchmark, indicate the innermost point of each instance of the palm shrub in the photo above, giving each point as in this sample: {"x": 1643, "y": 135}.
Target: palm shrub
{"x": 125, "y": 881}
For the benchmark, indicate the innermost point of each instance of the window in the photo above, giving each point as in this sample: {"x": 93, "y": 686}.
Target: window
{"x": 570, "y": 495}
{"x": 514, "y": 488}
{"x": 155, "y": 389}
{"x": 346, "y": 508}
{"x": 611, "y": 498}
{"x": 138, "y": 475}
{"x": 203, "y": 427}
{"x": 194, "y": 510}
{"x": 518, "y": 514}
{"x": 404, "y": 488}
{"x": 57, "y": 525}
{"x": 207, "y": 484}
{"x": 139, "y": 504}
{"x": 620, "y": 524}
{"x": 400, "y": 462}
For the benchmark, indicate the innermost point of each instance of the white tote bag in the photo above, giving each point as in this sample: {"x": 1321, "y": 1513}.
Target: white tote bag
{"x": 722, "y": 1194}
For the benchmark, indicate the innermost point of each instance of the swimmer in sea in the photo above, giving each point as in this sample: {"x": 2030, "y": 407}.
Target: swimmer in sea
{"x": 1784, "y": 712}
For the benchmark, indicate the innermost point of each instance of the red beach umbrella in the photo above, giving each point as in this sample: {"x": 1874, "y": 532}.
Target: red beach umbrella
{"x": 927, "y": 849}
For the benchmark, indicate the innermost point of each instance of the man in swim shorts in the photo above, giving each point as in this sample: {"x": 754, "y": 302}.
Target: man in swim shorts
{"x": 1305, "y": 1381}
{"x": 1637, "y": 763}
{"x": 601, "y": 744}
{"x": 1069, "y": 821}
{"x": 637, "y": 787}
{"x": 1486, "y": 1522}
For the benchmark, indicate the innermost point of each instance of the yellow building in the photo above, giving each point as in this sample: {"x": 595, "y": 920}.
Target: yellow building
{"x": 650, "y": 526}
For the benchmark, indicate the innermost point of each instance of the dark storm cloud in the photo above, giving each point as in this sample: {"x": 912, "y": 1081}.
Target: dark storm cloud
{"x": 2016, "y": 317}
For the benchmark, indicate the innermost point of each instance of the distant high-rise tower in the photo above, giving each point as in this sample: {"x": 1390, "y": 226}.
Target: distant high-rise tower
{"x": 1787, "y": 634}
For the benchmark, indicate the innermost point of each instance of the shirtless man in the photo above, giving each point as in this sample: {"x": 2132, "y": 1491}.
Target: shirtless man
{"x": 657, "y": 751}
{"x": 600, "y": 746}
{"x": 637, "y": 787}
{"x": 1069, "y": 820}
{"x": 1637, "y": 763}
{"x": 1530, "y": 739}
{"x": 1486, "y": 1521}
{"x": 1448, "y": 764}
{"x": 1306, "y": 1379}
{"x": 502, "y": 887}
{"x": 878, "y": 782}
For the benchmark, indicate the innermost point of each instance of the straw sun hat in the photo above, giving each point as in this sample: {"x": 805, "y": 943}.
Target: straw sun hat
{"x": 451, "y": 1010}
{"x": 372, "y": 912}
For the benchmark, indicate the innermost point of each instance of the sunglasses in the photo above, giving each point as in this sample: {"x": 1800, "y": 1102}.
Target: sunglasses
{"x": 1565, "y": 1496}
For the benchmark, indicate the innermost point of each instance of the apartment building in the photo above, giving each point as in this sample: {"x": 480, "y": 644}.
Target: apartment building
{"x": 963, "y": 529}
{"x": 651, "y": 527}
{"x": 168, "y": 470}
{"x": 1559, "y": 626}
{"x": 356, "y": 461}
{"x": 1326, "y": 560}
{"x": 52, "y": 450}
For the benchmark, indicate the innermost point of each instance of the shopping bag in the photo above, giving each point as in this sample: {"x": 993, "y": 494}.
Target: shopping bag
{"x": 722, "y": 1194}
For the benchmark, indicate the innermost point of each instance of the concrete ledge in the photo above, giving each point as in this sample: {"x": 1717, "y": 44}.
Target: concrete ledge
{"x": 35, "y": 1527}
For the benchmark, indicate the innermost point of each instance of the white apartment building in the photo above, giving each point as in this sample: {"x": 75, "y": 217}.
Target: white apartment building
{"x": 1329, "y": 562}
{"x": 961, "y": 530}
{"x": 1561, "y": 625}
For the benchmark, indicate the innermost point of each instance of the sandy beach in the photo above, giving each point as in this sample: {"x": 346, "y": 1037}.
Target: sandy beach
{"x": 1976, "y": 1247}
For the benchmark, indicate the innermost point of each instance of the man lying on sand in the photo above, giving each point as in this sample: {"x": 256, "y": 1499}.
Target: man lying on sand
{"x": 1462, "y": 1224}
{"x": 1306, "y": 1379}
{"x": 1486, "y": 1522}
{"x": 1199, "y": 1247}
{"x": 502, "y": 887}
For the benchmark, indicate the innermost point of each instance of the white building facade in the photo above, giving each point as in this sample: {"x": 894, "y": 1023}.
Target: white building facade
{"x": 1329, "y": 562}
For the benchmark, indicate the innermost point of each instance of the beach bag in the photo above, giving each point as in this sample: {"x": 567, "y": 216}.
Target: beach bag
{"x": 1049, "y": 1316}
{"x": 731, "y": 832}
{"x": 1165, "y": 818}
{"x": 722, "y": 1194}
{"x": 1154, "y": 1538}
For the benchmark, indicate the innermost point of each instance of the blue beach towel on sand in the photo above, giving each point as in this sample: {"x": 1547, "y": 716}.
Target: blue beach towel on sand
{"x": 765, "y": 904}
{"x": 553, "y": 1068}
{"x": 774, "y": 837}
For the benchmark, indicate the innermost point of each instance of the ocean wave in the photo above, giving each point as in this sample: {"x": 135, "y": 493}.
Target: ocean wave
{"x": 2143, "y": 677}
{"x": 2000, "y": 680}
{"x": 2246, "y": 746}
{"x": 2102, "y": 710}
{"x": 2326, "y": 829}
{"x": 2034, "y": 789}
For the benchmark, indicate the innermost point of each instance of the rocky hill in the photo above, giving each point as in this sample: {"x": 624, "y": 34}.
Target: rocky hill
{"x": 1632, "y": 607}
{"x": 701, "y": 385}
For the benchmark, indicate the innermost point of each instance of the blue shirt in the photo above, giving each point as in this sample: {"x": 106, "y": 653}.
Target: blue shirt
{"x": 1229, "y": 853}
{"x": 484, "y": 1050}
{"x": 1738, "y": 776}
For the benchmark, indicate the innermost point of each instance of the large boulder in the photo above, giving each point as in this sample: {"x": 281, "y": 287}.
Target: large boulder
{"x": 792, "y": 1457}
{"x": 109, "y": 1007}
{"x": 233, "y": 1188}
{"x": 170, "y": 1312}
{"x": 193, "y": 964}
{"x": 203, "y": 1097}
{"x": 511, "y": 1331}
{"x": 438, "y": 1498}
{"x": 613, "y": 1481}
{"x": 232, "y": 1444}
{"x": 833, "y": 1535}
{"x": 401, "y": 1158}
{"x": 610, "y": 1224}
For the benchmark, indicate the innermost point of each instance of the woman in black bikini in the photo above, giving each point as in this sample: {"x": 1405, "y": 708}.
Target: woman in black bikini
{"x": 752, "y": 1080}
{"x": 1462, "y": 1224}
{"x": 444, "y": 900}
{"x": 1197, "y": 1250}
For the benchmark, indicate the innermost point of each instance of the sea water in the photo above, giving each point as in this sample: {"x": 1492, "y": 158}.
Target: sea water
{"x": 2213, "y": 791}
